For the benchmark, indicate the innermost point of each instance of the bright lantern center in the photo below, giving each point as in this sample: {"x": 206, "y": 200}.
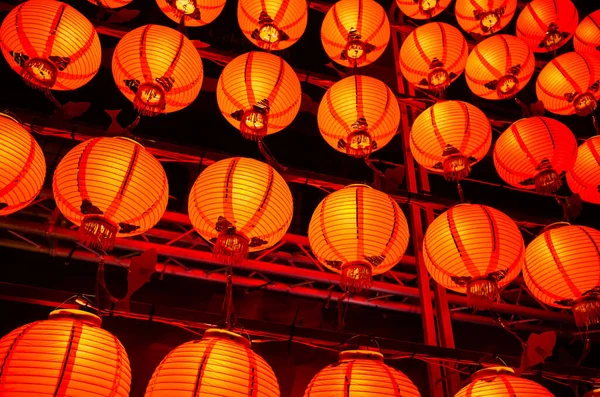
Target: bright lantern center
{"x": 42, "y": 71}
{"x": 438, "y": 78}
{"x": 269, "y": 33}
{"x": 359, "y": 141}
{"x": 255, "y": 121}
{"x": 507, "y": 86}
{"x": 489, "y": 20}
{"x": 428, "y": 5}
{"x": 150, "y": 95}
{"x": 585, "y": 104}
{"x": 553, "y": 39}
{"x": 355, "y": 50}
{"x": 186, "y": 6}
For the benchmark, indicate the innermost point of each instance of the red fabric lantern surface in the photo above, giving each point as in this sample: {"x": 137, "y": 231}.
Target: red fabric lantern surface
{"x": 587, "y": 34}
{"x": 501, "y": 382}
{"x": 221, "y": 364}
{"x": 273, "y": 24}
{"x": 158, "y": 69}
{"x": 433, "y": 56}
{"x": 51, "y": 45}
{"x": 192, "y": 13}
{"x": 110, "y": 3}
{"x": 584, "y": 178}
{"x": 499, "y": 67}
{"x": 475, "y": 250}
{"x": 535, "y": 153}
{"x": 450, "y": 137}
{"x": 484, "y": 17}
{"x": 355, "y": 32}
{"x": 422, "y": 9}
{"x": 561, "y": 270}
{"x": 22, "y": 166}
{"x": 546, "y": 25}
{"x": 66, "y": 355}
{"x": 361, "y": 373}
{"x": 568, "y": 84}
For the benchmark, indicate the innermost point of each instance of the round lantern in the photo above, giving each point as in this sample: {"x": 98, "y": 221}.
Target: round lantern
{"x": 273, "y": 24}
{"x": 501, "y": 382}
{"x": 475, "y": 250}
{"x": 358, "y": 115}
{"x": 593, "y": 393}
{"x": 546, "y": 25}
{"x": 192, "y": 13}
{"x": 22, "y": 166}
{"x": 433, "y": 56}
{"x": 51, "y": 45}
{"x": 587, "y": 34}
{"x": 66, "y": 355}
{"x": 240, "y": 205}
{"x": 110, "y": 187}
{"x": 355, "y": 32}
{"x": 535, "y": 153}
{"x": 358, "y": 232}
{"x": 110, "y": 3}
{"x": 221, "y": 364}
{"x": 484, "y": 17}
{"x": 450, "y": 137}
{"x": 158, "y": 69}
{"x": 259, "y": 94}
{"x": 584, "y": 178}
{"x": 569, "y": 84}
{"x": 422, "y": 9}
{"x": 361, "y": 373}
{"x": 561, "y": 270}
{"x": 499, "y": 67}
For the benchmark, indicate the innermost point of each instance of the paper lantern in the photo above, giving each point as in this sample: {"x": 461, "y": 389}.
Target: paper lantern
{"x": 51, "y": 45}
{"x": 501, "y": 382}
{"x": 66, "y": 355}
{"x": 584, "y": 178}
{"x": 355, "y": 32}
{"x": 240, "y": 205}
{"x": 358, "y": 232}
{"x": 158, "y": 69}
{"x": 192, "y": 13}
{"x": 358, "y": 115}
{"x": 110, "y": 187}
{"x": 499, "y": 67}
{"x": 361, "y": 373}
{"x": 273, "y": 24}
{"x": 450, "y": 137}
{"x": 110, "y": 3}
{"x": 535, "y": 153}
{"x": 484, "y": 17}
{"x": 221, "y": 364}
{"x": 546, "y": 25}
{"x": 475, "y": 250}
{"x": 433, "y": 56}
{"x": 569, "y": 84}
{"x": 259, "y": 94}
{"x": 22, "y": 166}
{"x": 593, "y": 393}
{"x": 422, "y": 9}
{"x": 587, "y": 34}
{"x": 561, "y": 270}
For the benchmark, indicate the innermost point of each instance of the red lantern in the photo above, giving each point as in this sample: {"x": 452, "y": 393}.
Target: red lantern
{"x": 422, "y": 9}
{"x": 501, "y": 382}
{"x": 110, "y": 3}
{"x": 587, "y": 34}
{"x": 433, "y": 56}
{"x": 584, "y": 178}
{"x": 546, "y": 25}
{"x": 51, "y": 45}
{"x": 192, "y": 12}
{"x": 535, "y": 153}
{"x": 499, "y": 67}
{"x": 484, "y": 17}
{"x": 158, "y": 69}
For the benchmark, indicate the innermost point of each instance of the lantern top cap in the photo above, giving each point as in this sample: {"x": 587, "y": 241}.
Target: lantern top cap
{"x": 78, "y": 315}
{"x": 216, "y": 333}
{"x": 360, "y": 355}
{"x": 8, "y": 116}
{"x": 358, "y": 185}
{"x": 130, "y": 140}
{"x": 491, "y": 372}
{"x": 554, "y": 225}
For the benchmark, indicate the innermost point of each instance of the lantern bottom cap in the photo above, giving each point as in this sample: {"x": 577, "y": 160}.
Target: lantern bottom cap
{"x": 491, "y": 372}
{"x": 98, "y": 232}
{"x": 356, "y": 277}
{"x": 215, "y": 333}
{"x": 482, "y": 293}
{"x": 587, "y": 311}
{"x": 149, "y": 100}
{"x": 547, "y": 181}
{"x": 456, "y": 167}
{"x": 231, "y": 248}
{"x": 359, "y": 144}
{"x": 39, "y": 73}
{"x": 79, "y": 315}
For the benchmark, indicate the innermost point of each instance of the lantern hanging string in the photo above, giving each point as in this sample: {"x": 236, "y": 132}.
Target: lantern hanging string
{"x": 264, "y": 150}
{"x": 228, "y": 307}
{"x": 370, "y": 164}
{"x": 342, "y": 309}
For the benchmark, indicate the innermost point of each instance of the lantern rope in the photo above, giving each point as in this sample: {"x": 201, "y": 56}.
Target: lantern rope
{"x": 264, "y": 150}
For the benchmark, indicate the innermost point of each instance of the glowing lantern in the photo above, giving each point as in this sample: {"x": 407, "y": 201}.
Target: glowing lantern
{"x": 450, "y": 137}
{"x": 259, "y": 94}
{"x": 433, "y": 56}
{"x": 66, "y": 355}
{"x": 546, "y": 25}
{"x": 584, "y": 178}
{"x": 484, "y": 17}
{"x": 241, "y": 205}
{"x": 355, "y": 32}
{"x": 110, "y": 3}
{"x": 110, "y": 187}
{"x": 593, "y": 393}
{"x": 273, "y": 24}
{"x": 561, "y": 270}
{"x": 587, "y": 34}
{"x": 22, "y": 166}
{"x": 535, "y": 153}
{"x": 569, "y": 84}
{"x": 158, "y": 69}
{"x": 361, "y": 373}
{"x": 192, "y": 12}
{"x": 51, "y": 45}
{"x": 475, "y": 250}
{"x": 221, "y": 364}
{"x": 358, "y": 115}
{"x": 501, "y": 382}
{"x": 422, "y": 9}
{"x": 499, "y": 67}
{"x": 358, "y": 232}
